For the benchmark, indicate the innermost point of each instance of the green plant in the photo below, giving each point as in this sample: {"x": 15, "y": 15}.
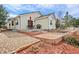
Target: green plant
{"x": 63, "y": 27}
{"x": 71, "y": 40}
{"x": 34, "y": 49}
{"x": 3, "y": 15}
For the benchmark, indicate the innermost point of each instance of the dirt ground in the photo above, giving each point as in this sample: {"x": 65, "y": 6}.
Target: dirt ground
{"x": 11, "y": 41}
{"x": 44, "y": 48}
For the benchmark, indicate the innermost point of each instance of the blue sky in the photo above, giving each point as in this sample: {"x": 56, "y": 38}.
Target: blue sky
{"x": 59, "y": 9}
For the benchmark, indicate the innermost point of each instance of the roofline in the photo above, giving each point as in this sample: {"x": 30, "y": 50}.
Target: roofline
{"x": 39, "y": 18}
{"x": 26, "y": 13}
{"x": 31, "y": 12}
{"x": 46, "y": 15}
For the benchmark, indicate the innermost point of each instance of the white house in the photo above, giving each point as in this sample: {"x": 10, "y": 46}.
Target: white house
{"x": 27, "y": 20}
{"x": 9, "y": 24}
{"x": 47, "y": 22}
{"x": 34, "y": 20}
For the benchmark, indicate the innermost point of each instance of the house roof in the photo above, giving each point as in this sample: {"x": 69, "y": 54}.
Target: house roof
{"x": 44, "y": 16}
{"x": 31, "y": 13}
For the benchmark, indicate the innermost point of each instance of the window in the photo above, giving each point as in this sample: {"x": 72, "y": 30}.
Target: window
{"x": 12, "y": 23}
{"x": 38, "y": 26}
{"x": 30, "y": 23}
{"x": 17, "y": 23}
{"x": 50, "y": 22}
{"x": 9, "y": 24}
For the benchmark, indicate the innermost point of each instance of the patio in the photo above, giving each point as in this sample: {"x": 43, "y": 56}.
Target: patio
{"x": 51, "y": 38}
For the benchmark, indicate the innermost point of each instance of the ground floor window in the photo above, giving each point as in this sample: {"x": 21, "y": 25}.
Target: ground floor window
{"x": 50, "y": 22}
{"x": 12, "y": 23}
{"x": 38, "y": 26}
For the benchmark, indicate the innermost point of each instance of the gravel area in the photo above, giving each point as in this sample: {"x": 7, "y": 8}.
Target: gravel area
{"x": 12, "y": 41}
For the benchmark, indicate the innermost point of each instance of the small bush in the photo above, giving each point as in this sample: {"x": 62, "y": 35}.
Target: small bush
{"x": 71, "y": 40}
{"x": 34, "y": 49}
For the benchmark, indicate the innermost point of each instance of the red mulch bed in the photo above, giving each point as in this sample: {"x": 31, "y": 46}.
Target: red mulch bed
{"x": 43, "y": 48}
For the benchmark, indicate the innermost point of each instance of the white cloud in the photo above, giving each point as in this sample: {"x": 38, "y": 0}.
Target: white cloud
{"x": 12, "y": 15}
{"x": 73, "y": 9}
{"x": 19, "y": 8}
{"x": 47, "y": 5}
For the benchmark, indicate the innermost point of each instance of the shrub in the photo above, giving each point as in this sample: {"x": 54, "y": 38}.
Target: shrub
{"x": 71, "y": 40}
{"x": 34, "y": 49}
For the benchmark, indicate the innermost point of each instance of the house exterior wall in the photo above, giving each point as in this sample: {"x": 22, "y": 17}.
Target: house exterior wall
{"x": 24, "y": 20}
{"x": 14, "y": 24}
{"x": 53, "y": 21}
{"x": 43, "y": 22}
{"x": 7, "y": 25}
{"x": 10, "y": 25}
{"x": 17, "y": 20}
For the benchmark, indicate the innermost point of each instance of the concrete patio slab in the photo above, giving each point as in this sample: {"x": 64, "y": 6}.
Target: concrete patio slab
{"x": 52, "y": 38}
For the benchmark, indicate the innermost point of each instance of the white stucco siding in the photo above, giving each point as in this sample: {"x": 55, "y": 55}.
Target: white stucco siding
{"x": 17, "y": 26}
{"x": 23, "y": 23}
{"x": 35, "y": 17}
{"x": 10, "y": 25}
{"x": 43, "y": 22}
{"x": 24, "y": 20}
{"x": 53, "y": 21}
{"x": 7, "y": 25}
{"x": 32, "y": 15}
